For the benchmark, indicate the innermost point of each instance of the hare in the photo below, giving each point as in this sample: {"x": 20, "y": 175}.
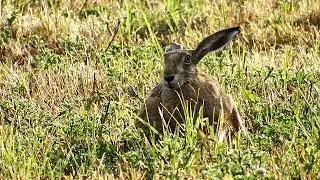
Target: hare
{"x": 183, "y": 81}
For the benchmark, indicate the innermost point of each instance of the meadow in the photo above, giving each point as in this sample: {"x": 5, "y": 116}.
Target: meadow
{"x": 73, "y": 75}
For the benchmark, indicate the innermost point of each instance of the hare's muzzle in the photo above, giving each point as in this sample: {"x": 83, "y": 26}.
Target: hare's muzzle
{"x": 168, "y": 78}
{"x": 172, "y": 81}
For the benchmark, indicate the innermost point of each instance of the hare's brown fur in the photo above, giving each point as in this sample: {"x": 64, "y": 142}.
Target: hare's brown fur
{"x": 183, "y": 82}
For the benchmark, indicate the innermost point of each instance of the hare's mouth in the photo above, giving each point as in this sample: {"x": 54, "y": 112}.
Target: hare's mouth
{"x": 172, "y": 85}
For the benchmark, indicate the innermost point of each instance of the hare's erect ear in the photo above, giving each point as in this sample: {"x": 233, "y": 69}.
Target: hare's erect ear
{"x": 214, "y": 42}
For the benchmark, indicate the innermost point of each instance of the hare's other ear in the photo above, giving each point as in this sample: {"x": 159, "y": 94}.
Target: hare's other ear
{"x": 214, "y": 42}
{"x": 173, "y": 47}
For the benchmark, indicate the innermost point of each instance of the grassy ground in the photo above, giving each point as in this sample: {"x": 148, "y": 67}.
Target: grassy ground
{"x": 67, "y": 109}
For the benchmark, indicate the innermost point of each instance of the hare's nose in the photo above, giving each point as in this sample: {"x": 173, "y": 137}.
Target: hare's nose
{"x": 168, "y": 78}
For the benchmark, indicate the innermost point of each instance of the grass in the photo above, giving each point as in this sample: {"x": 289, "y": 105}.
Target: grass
{"x": 67, "y": 109}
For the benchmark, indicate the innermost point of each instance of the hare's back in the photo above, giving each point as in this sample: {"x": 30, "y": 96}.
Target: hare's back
{"x": 207, "y": 86}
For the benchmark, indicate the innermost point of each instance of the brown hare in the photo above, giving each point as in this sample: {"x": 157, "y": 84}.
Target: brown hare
{"x": 183, "y": 81}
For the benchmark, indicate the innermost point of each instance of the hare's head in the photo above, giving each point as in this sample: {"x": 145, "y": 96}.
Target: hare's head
{"x": 180, "y": 64}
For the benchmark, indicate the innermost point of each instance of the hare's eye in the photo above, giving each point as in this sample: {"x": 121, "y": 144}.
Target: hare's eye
{"x": 187, "y": 59}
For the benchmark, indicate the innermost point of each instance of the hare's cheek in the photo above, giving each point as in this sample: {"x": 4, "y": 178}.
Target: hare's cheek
{"x": 180, "y": 69}
{"x": 179, "y": 79}
{"x": 181, "y": 82}
{"x": 189, "y": 68}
